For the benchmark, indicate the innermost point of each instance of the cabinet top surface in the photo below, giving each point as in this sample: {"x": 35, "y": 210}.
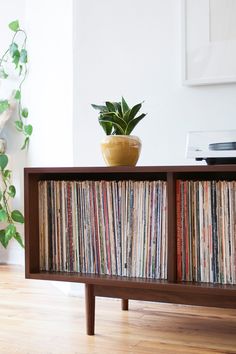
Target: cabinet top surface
{"x": 136, "y": 169}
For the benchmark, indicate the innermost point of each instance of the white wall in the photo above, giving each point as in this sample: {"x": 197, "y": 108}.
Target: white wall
{"x": 48, "y": 90}
{"x": 12, "y": 10}
{"x": 49, "y": 84}
{"x": 133, "y": 48}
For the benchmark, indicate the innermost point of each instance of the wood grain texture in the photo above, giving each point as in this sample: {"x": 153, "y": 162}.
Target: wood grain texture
{"x": 36, "y": 318}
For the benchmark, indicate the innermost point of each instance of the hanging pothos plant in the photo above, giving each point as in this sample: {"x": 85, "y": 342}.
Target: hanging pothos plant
{"x": 15, "y": 60}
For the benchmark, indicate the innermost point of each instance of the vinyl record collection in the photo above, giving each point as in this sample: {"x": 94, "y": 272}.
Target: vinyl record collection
{"x": 104, "y": 227}
{"x": 206, "y": 231}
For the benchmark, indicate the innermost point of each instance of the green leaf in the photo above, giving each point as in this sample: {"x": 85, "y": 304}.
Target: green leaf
{"x": 118, "y": 127}
{"x": 117, "y": 106}
{"x": 1, "y": 195}
{"x": 99, "y": 108}
{"x": 3, "y": 74}
{"x": 18, "y": 238}
{"x": 119, "y": 109}
{"x": 3, "y": 215}
{"x": 23, "y": 56}
{"x": 12, "y": 191}
{"x": 132, "y": 124}
{"x": 26, "y": 143}
{"x": 134, "y": 111}
{"x": 14, "y": 25}
{"x": 17, "y": 95}
{"x": 3, "y": 239}
{"x": 110, "y": 107}
{"x": 6, "y": 174}
{"x": 25, "y": 112}
{"x": 3, "y": 161}
{"x": 13, "y": 49}
{"x": 107, "y": 127}
{"x": 28, "y": 129}
{"x": 19, "y": 125}
{"x": 114, "y": 118}
{"x": 20, "y": 69}
{"x": 4, "y": 105}
{"x": 16, "y": 58}
{"x": 124, "y": 106}
{"x": 10, "y": 231}
{"x": 17, "y": 216}
{"x": 126, "y": 116}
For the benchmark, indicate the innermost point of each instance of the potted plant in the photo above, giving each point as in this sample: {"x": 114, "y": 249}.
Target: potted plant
{"x": 13, "y": 67}
{"x": 118, "y": 120}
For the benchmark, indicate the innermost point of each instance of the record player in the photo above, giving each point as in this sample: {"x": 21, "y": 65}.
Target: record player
{"x": 215, "y": 147}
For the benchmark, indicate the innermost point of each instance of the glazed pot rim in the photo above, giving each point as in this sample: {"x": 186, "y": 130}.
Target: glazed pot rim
{"x": 133, "y": 137}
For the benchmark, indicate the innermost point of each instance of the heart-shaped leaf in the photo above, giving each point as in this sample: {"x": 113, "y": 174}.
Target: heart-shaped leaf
{"x": 14, "y": 25}
{"x": 17, "y": 216}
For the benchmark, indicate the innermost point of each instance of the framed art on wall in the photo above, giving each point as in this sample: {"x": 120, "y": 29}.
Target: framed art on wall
{"x": 209, "y": 41}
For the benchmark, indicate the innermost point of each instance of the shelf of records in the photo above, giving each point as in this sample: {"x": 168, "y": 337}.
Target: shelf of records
{"x": 104, "y": 227}
{"x": 206, "y": 231}
{"x": 120, "y": 228}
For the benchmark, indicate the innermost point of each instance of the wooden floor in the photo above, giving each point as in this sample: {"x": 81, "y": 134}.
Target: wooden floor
{"x": 35, "y": 317}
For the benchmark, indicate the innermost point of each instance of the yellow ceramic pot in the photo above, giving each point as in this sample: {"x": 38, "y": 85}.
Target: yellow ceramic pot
{"x": 121, "y": 150}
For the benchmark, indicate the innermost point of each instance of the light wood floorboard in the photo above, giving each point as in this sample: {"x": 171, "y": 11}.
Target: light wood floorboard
{"x": 36, "y": 318}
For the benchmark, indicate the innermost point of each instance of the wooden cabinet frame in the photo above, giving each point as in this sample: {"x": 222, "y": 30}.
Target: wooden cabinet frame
{"x": 170, "y": 290}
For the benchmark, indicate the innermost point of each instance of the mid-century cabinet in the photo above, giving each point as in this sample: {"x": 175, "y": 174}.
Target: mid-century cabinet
{"x": 125, "y": 288}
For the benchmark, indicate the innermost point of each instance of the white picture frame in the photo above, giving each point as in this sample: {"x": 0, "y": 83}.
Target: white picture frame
{"x": 209, "y": 42}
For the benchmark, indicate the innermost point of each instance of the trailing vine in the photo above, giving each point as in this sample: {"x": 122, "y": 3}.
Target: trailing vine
{"x": 18, "y": 56}
{"x": 14, "y": 58}
{"x": 7, "y": 216}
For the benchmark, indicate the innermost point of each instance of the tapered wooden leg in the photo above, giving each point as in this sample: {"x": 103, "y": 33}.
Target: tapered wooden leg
{"x": 125, "y": 304}
{"x": 90, "y": 308}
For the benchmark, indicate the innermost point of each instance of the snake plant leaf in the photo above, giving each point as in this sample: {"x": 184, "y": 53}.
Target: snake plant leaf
{"x": 114, "y": 118}
{"x": 99, "y": 108}
{"x": 117, "y": 106}
{"x": 119, "y": 109}
{"x": 117, "y": 118}
{"x": 124, "y": 106}
{"x": 18, "y": 238}
{"x": 132, "y": 124}
{"x": 113, "y": 123}
{"x": 110, "y": 107}
{"x": 134, "y": 111}
{"x": 17, "y": 216}
{"x": 107, "y": 127}
{"x": 3, "y": 161}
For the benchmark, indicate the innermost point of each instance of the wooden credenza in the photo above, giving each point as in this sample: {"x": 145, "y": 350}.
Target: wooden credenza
{"x": 170, "y": 290}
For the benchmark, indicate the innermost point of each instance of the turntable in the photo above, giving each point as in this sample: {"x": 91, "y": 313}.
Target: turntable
{"x": 215, "y": 147}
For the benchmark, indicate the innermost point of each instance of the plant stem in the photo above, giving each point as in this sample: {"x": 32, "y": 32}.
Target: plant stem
{"x": 5, "y": 200}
